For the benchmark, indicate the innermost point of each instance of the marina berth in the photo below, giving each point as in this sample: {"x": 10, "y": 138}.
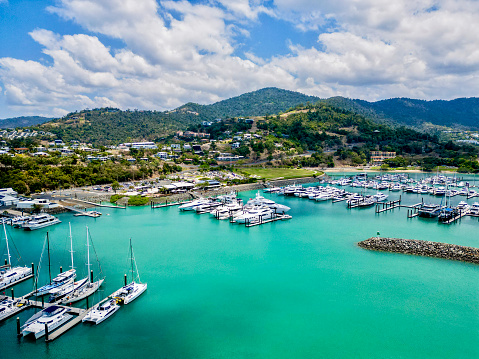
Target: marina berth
{"x": 61, "y": 280}
{"x": 40, "y": 221}
{"x": 255, "y": 214}
{"x": 429, "y": 210}
{"x": 102, "y": 311}
{"x": 129, "y": 292}
{"x": 53, "y": 317}
{"x": 10, "y": 275}
{"x": 8, "y": 307}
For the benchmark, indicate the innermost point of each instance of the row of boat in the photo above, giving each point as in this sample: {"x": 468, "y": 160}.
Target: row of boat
{"x": 229, "y": 207}
{"x": 325, "y": 193}
{"x": 64, "y": 289}
{"x": 31, "y": 223}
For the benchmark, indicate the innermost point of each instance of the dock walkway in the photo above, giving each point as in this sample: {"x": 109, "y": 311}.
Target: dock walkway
{"x": 82, "y": 213}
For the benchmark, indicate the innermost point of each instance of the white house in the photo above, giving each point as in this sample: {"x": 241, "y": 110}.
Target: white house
{"x": 6, "y": 200}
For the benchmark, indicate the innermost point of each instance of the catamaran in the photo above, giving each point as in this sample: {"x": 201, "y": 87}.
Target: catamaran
{"x": 102, "y": 311}
{"x": 52, "y": 316}
{"x": 135, "y": 288}
{"x": 9, "y": 274}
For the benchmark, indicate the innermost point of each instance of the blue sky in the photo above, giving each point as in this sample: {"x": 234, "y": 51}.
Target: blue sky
{"x": 58, "y": 56}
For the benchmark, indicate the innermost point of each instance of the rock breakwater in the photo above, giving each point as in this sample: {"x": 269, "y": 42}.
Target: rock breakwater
{"x": 422, "y": 248}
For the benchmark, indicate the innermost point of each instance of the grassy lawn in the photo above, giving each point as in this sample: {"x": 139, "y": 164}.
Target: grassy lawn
{"x": 272, "y": 173}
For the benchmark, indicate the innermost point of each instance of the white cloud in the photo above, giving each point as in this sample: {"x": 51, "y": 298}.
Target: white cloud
{"x": 176, "y": 51}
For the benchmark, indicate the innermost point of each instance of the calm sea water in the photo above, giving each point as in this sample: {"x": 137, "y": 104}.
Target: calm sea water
{"x": 299, "y": 288}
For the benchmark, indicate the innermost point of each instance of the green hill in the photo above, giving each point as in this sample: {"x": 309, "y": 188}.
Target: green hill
{"x": 23, "y": 121}
{"x": 112, "y": 126}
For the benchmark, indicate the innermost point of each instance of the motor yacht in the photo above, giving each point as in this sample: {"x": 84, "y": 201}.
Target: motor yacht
{"x": 429, "y": 210}
{"x": 191, "y": 206}
{"x": 254, "y": 215}
{"x": 40, "y": 221}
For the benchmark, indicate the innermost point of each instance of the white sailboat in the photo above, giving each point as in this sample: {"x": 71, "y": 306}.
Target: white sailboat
{"x": 135, "y": 288}
{"x": 88, "y": 289}
{"x": 8, "y": 274}
{"x": 61, "y": 280}
{"x": 62, "y": 294}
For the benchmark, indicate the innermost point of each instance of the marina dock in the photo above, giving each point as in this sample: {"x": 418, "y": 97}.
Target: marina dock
{"x": 168, "y": 204}
{"x": 96, "y": 204}
{"x": 82, "y": 213}
{"x": 278, "y": 217}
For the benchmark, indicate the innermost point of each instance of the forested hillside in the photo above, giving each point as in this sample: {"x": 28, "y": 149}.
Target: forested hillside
{"x": 23, "y": 121}
{"x": 111, "y": 126}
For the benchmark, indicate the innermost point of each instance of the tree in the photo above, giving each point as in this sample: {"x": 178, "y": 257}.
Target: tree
{"x": 115, "y": 186}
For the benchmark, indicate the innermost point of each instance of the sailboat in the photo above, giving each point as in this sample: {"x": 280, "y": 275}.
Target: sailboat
{"x": 61, "y": 280}
{"x": 135, "y": 288}
{"x": 8, "y": 274}
{"x": 102, "y": 311}
{"x": 60, "y": 294}
{"x": 90, "y": 287}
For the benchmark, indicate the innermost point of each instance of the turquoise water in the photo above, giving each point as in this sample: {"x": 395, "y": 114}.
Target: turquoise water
{"x": 299, "y": 288}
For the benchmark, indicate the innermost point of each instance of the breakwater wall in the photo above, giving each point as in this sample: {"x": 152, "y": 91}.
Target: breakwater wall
{"x": 422, "y": 248}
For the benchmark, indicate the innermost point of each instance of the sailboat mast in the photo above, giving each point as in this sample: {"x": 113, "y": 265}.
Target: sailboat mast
{"x": 71, "y": 243}
{"x": 132, "y": 270}
{"x": 49, "y": 264}
{"x": 8, "y": 249}
{"x": 88, "y": 254}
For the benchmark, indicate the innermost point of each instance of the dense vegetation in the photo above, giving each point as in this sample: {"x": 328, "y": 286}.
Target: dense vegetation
{"x": 350, "y": 138}
{"x": 410, "y": 112}
{"x": 23, "y": 121}
{"x": 29, "y": 175}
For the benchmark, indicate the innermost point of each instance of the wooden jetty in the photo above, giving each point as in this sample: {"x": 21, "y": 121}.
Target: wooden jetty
{"x": 82, "y": 213}
{"x": 387, "y": 206}
{"x": 166, "y": 204}
{"x": 277, "y": 217}
{"x": 458, "y": 215}
{"x": 96, "y": 204}
{"x": 64, "y": 328}
{"x": 16, "y": 282}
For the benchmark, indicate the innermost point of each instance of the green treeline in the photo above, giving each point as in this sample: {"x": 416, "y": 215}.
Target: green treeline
{"x": 30, "y": 175}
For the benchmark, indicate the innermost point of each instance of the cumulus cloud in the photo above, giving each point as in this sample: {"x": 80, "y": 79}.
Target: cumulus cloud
{"x": 178, "y": 51}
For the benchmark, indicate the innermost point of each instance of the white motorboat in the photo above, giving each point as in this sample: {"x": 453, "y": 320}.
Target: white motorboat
{"x": 254, "y": 215}
{"x": 259, "y": 200}
{"x": 474, "y": 210}
{"x": 40, "y": 221}
{"x": 9, "y": 274}
{"x": 135, "y": 288}
{"x": 324, "y": 196}
{"x": 8, "y": 307}
{"x": 379, "y": 197}
{"x": 191, "y": 206}
{"x": 101, "y": 311}
{"x": 53, "y": 316}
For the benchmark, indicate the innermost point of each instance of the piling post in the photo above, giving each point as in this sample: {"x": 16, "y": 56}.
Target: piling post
{"x": 91, "y": 276}
{"x": 61, "y": 269}
{"x": 46, "y": 332}
{"x": 125, "y": 279}
{"x": 19, "y": 333}
{"x": 33, "y": 269}
{"x": 13, "y": 295}
{"x": 6, "y": 262}
{"x": 87, "y": 304}
{"x": 43, "y": 302}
